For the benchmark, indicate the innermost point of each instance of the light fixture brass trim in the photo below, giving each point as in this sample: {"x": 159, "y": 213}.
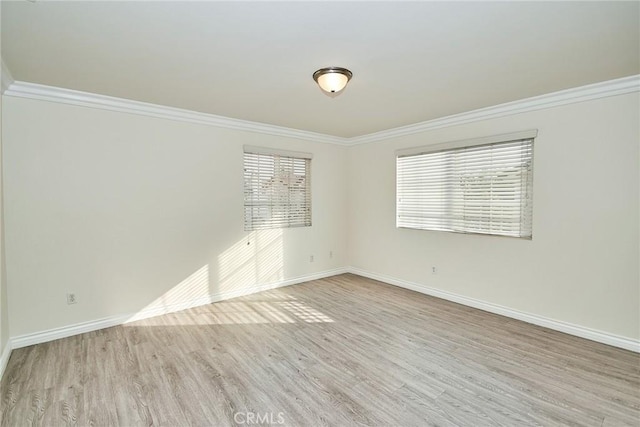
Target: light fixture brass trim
{"x": 332, "y": 70}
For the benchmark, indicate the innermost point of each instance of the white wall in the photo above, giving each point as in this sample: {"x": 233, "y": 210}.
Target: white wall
{"x": 581, "y": 266}
{"x": 4, "y": 323}
{"x": 132, "y": 212}
{"x": 4, "y": 312}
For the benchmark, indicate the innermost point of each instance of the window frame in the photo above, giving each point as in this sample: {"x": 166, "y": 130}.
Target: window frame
{"x": 459, "y": 225}
{"x": 287, "y": 214}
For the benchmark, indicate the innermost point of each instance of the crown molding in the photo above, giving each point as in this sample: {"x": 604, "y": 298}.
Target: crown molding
{"x": 73, "y": 97}
{"x": 40, "y": 92}
{"x": 6, "y": 78}
{"x": 554, "y": 99}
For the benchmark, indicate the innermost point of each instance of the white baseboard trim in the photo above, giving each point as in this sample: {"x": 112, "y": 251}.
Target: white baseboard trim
{"x": 107, "y": 322}
{"x": 568, "y": 328}
{"x": 221, "y": 296}
{"x": 4, "y": 358}
{"x": 94, "y": 325}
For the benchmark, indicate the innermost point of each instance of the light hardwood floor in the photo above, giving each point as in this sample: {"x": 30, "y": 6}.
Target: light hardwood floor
{"x": 339, "y": 351}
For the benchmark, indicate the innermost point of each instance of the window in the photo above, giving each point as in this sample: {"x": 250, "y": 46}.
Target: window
{"x": 277, "y": 189}
{"x": 482, "y": 186}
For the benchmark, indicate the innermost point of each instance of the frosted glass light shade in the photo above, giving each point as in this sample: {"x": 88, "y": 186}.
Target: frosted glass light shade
{"x": 332, "y": 82}
{"x": 332, "y": 79}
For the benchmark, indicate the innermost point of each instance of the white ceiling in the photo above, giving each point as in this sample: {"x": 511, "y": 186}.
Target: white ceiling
{"x": 412, "y": 61}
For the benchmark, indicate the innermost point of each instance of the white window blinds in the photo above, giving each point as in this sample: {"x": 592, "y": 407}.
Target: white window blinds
{"x": 277, "y": 189}
{"x": 484, "y": 188}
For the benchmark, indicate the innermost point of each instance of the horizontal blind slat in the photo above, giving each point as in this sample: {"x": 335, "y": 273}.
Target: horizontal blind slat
{"x": 481, "y": 189}
{"x": 277, "y": 191}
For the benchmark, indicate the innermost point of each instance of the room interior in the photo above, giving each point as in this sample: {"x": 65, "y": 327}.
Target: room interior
{"x": 123, "y": 131}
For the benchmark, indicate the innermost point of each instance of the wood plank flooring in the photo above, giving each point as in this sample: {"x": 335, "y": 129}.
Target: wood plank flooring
{"x": 339, "y": 351}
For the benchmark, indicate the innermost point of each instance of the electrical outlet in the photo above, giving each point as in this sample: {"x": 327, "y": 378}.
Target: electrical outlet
{"x": 330, "y": 254}
{"x": 434, "y": 270}
{"x": 311, "y": 258}
{"x": 71, "y": 299}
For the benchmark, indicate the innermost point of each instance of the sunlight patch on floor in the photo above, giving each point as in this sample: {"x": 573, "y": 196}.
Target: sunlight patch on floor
{"x": 254, "y": 261}
{"x": 287, "y": 310}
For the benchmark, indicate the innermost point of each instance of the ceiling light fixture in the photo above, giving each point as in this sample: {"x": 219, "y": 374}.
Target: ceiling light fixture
{"x": 332, "y": 79}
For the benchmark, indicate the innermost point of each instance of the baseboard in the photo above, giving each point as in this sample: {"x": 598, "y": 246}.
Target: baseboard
{"x": 4, "y": 357}
{"x": 221, "y": 296}
{"x": 107, "y": 322}
{"x": 93, "y": 325}
{"x": 568, "y": 328}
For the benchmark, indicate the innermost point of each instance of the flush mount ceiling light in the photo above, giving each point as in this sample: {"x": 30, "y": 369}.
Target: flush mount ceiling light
{"x": 332, "y": 79}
